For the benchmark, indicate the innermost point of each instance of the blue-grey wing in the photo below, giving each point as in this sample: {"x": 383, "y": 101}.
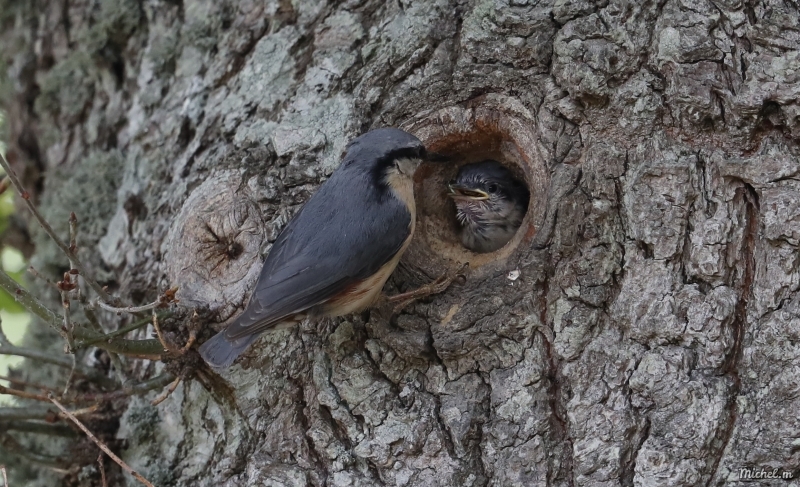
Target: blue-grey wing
{"x": 344, "y": 234}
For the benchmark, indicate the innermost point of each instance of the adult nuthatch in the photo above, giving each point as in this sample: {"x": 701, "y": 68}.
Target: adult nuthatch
{"x": 335, "y": 255}
{"x": 490, "y": 204}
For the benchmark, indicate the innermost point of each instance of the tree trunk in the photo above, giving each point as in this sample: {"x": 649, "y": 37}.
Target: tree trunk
{"x": 643, "y": 328}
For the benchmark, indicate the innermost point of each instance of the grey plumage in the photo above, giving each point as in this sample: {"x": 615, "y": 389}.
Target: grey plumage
{"x": 490, "y": 204}
{"x": 347, "y": 231}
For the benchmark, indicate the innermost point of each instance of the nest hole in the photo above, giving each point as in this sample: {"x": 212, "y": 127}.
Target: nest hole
{"x": 492, "y": 127}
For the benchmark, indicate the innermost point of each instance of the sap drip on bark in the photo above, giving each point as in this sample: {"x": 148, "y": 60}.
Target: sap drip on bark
{"x": 490, "y": 127}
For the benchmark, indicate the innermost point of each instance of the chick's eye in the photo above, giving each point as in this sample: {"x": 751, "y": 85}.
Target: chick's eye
{"x": 492, "y": 188}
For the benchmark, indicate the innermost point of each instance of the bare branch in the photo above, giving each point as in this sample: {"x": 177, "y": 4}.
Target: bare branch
{"x": 29, "y": 302}
{"x": 119, "y": 368}
{"x": 189, "y": 342}
{"x": 114, "y": 334}
{"x": 24, "y": 383}
{"x": 83, "y": 411}
{"x": 5, "y": 477}
{"x": 39, "y": 275}
{"x": 39, "y": 428}
{"x": 41, "y": 412}
{"x": 148, "y": 349}
{"x": 73, "y": 236}
{"x": 22, "y": 394}
{"x": 71, "y": 373}
{"x": 102, "y": 470}
{"x": 132, "y": 389}
{"x": 167, "y": 347}
{"x": 65, "y": 305}
{"x": 100, "y": 444}
{"x": 129, "y": 309}
{"x": 52, "y": 234}
{"x": 7, "y": 348}
{"x": 166, "y": 393}
{"x": 166, "y": 298}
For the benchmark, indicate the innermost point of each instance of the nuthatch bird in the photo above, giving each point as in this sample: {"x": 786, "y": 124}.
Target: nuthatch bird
{"x": 490, "y": 204}
{"x": 335, "y": 255}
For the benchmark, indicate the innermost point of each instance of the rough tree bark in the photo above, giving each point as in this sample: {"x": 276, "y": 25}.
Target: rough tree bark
{"x": 651, "y": 335}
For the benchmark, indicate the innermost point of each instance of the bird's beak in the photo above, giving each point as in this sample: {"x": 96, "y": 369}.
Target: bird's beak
{"x": 462, "y": 193}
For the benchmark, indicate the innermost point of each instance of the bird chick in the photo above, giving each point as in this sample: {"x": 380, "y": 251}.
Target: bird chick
{"x": 490, "y": 204}
{"x": 335, "y": 255}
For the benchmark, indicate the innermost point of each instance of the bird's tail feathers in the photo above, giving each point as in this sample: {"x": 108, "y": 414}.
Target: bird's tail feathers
{"x": 220, "y": 351}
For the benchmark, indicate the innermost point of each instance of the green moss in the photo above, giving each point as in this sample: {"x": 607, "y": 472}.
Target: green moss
{"x": 143, "y": 420}
{"x": 9, "y": 8}
{"x": 88, "y": 189}
{"x": 114, "y": 23}
{"x": 200, "y": 34}
{"x": 67, "y": 88}
{"x": 163, "y": 51}
{"x": 204, "y": 23}
{"x": 161, "y": 475}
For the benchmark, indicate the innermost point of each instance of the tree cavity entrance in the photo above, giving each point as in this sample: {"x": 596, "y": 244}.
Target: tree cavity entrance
{"x": 490, "y": 127}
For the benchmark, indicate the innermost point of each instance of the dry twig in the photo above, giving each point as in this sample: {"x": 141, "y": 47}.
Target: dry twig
{"x": 40, "y": 427}
{"x": 115, "y": 334}
{"x": 71, "y": 374}
{"x": 22, "y": 394}
{"x": 26, "y": 197}
{"x": 166, "y": 393}
{"x": 128, "y": 390}
{"x": 167, "y": 347}
{"x": 100, "y": 444}
{"x": 29, "y": 302}
{"x": 25, "y": 383}
{"x": 131, "y": 389}
{"x": 166, "y": 298}
{"x": 102, "y": 470}
{"x": 81, "y": 412}
{"x": 119, "y": 367}
{"x": 138, "y": 348}
{"x": 189, "y": 342}
{"x": 32, "y": 270}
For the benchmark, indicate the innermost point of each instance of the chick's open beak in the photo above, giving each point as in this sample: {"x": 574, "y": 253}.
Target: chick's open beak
{"x": 459, "y": 192}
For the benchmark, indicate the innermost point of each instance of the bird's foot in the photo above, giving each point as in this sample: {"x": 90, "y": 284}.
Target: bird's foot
{"x": 441, "y": 284}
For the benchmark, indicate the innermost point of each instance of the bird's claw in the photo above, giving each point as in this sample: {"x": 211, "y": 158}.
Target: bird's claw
{"x": 440, "y": 285}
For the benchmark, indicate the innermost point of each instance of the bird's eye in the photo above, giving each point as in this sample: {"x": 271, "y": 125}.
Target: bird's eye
{"x": 492, "y": 188}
